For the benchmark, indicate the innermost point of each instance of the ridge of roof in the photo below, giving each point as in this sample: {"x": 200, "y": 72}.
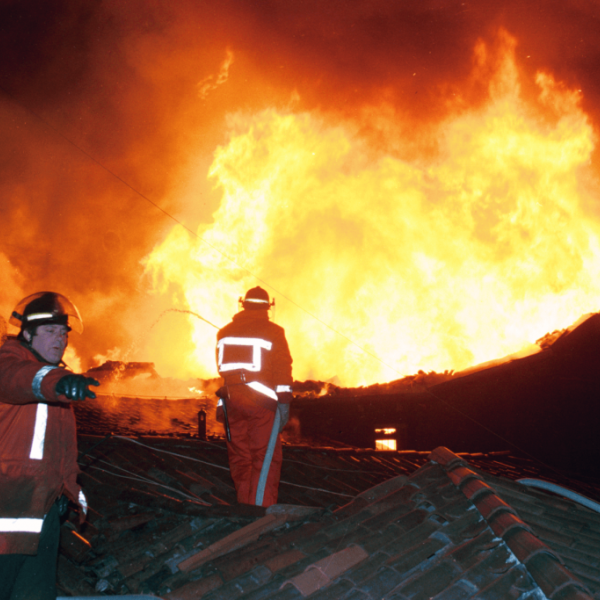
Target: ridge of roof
{"x": 545, "y": 566}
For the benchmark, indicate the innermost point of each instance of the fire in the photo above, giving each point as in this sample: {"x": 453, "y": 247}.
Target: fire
{"x": 383, "y": 265}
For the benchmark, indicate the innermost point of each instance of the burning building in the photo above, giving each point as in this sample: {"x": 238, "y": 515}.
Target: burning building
{"x": 415, "y": 183}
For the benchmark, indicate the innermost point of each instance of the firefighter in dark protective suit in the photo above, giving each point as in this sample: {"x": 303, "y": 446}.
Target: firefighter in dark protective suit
{"x": 255, "y": 362}
{"x": 38, "y": 445}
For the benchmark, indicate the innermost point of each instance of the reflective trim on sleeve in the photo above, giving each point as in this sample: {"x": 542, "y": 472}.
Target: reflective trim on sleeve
{"x": 283, "y": 388}
{"x": 220, "y": 402}
{"x": 39, "y": 432}
{"x": 263, "y": 389}
{"x": 36, "y": 384}
{"x": 24, "y": 525}
{"x": 83, "y": 502}
{"x": 256, "y": 343}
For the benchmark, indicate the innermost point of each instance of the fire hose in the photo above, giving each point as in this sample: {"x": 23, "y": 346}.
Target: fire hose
{"x": 266, "y": 466}
{"x": 225, "y": 415}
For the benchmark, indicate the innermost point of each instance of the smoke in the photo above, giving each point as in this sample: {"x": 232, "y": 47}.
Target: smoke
{"x": 110, "y": 109}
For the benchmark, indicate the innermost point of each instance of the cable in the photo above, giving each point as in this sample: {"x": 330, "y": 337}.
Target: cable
{"x": 172, "y": 453}
{"x": 307, "y": 487}
{"x": 144, "y": 480}
{"x": 179, "y": 310}
{"x": 227, "y": 468}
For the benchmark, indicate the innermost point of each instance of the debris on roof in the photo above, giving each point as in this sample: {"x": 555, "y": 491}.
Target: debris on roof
{"x": 351, "y": 524}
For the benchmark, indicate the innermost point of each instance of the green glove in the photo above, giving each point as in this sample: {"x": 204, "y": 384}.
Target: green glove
{"x": 75, "y": 387}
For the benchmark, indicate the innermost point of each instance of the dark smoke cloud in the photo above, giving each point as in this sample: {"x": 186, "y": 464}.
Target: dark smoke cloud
{"x": 94, "y": 94}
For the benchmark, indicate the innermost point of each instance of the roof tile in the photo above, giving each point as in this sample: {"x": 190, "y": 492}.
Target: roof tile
{"x": 416, "y": 555}
{"x": 381, "y": 582}
{"x": 503, "y": 522}
{"x": 430, "y": 583}
{"x": 474, "y": 550}
{"x": 516, "y": 584}
{"x": 475, "y": 488}
{"x": 460, "y": 475}
{"x": 336, "y": 564}
{"x": 445, "y": 457}
{"x": 195, "y": 589}
{"x": 401, "y": 514}
{"x": 334, "y": 592}
{"x": 367, "y": 568}
{"x": 550, "y": 575}
{"x": 241, "y": 585}
{"x": 460, "y": 590}
{"x": 490, "y": 504}
{"x": 383, "y": 489}
{"x": 410, "y": 539}
{"x": 324, "y": 571}
{"x": 525, "y": 545}
{"x": 235, "y": 540}
{"x": 280, "y": 561}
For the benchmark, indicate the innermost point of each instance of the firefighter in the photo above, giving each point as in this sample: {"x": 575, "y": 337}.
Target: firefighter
{"x": 255, "y": 362}
{"x": 38, "y": 445}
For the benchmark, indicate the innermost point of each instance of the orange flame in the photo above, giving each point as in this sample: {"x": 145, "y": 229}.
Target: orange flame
{"x": 382, "y": 266}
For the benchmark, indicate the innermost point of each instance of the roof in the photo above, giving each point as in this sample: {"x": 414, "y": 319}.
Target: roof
{"x": 352, "y": 524}
{"x": 543, "y": 405}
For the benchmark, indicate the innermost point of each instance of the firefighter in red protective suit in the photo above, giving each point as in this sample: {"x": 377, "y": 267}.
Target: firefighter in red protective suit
{"x": 255, "y": 362}
{"x": 38, "y": 445}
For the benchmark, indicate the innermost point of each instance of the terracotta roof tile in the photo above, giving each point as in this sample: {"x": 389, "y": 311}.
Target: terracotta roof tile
{"x": 411, "y": 538}
{"x": 550, "y": 575}
{"x": 381, "y": 582}
{"x": 241, "y": 586}
{"x": 413, "y": 527}
{"x": 323, "y": 572}
{"x": 417, "y": 555}
{"x": 492, "y": 504}
{"x": 282, "y": 560}
{"x": 541, "y": 562}
{"x": 239, "y": 538}
{"x": 334, "y": 592}
{"x": 367, "y": 568}
{"x": 503, "y": 522}
{"x": 517, "y": 584}
{"x": 434, "y": 581}
{"x": 195, "y": 589}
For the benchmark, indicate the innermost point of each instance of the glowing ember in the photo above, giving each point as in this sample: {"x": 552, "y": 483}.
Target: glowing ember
{"x": 436, "y": 263}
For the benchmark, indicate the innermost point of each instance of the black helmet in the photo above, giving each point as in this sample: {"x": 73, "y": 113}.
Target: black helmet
{"x": 46, "y": 308}
{"x": 256, "y": 299}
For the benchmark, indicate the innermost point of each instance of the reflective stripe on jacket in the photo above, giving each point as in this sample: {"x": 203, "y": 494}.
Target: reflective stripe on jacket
{"x": 38, "y": 447}
{"x": 253, "y": 351}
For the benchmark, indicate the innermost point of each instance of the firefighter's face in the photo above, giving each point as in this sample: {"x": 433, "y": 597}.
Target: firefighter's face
{"x": 49, "y": 341}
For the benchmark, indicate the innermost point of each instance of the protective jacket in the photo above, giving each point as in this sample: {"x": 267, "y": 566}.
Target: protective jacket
{"x": 254, "y": 360}
{"x": 253, "y": 351}
{"x": 38, "y": 447}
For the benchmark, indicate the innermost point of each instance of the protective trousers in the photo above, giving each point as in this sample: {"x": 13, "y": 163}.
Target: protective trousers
{"x": 33, "y": 577}
{"x": 251, "y": 427}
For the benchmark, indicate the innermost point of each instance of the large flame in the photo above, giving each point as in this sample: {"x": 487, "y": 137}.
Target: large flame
{"x": 382, "y": 266}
